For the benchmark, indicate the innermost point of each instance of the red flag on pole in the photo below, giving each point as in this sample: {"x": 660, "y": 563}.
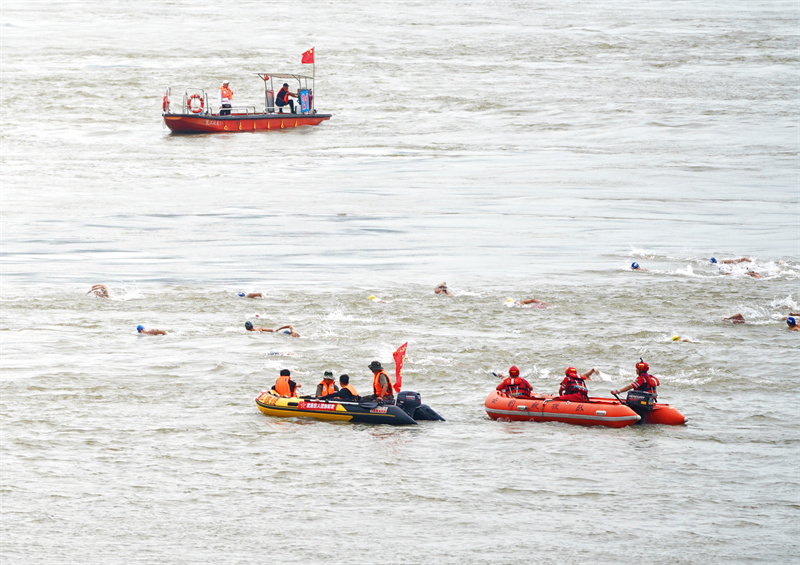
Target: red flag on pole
{"x": 399, "y": 357}
{"x": 308, "y": 57}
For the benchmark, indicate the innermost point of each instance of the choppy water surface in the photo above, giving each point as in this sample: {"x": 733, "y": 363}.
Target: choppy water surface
{"x": 514, "y": 150}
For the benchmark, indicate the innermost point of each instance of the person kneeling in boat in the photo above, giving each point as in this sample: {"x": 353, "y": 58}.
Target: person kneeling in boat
{"x": 282, "y": 99}
{"x": 643, "y": 383}
{"x": 573, "y": 387}
{"x": 381, "y": 384}
{"x": 284, "y": 386}
{"x": 327, "y": 386}
{"x": 347, "y": 392}
{"x": 514, "y": 386}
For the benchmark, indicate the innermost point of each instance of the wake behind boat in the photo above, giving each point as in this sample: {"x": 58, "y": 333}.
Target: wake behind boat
{"x": 194, "y": 114}
{"x": 408, "y": 410}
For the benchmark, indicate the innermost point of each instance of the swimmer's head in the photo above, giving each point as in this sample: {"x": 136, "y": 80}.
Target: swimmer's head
{"x": 509, "y": 300}
{"x": 372, "y": 297}
{"x": 287, "y": 332}
{"x": 676, "y": 338}
{"x": 248, "y": 325}
{"x": 634, "y": 266}
{"x": 242, "y": 294}
{"x": 713, "y": 260}
{"x": 140, "y": 328}
{"x": 791, "y": 321}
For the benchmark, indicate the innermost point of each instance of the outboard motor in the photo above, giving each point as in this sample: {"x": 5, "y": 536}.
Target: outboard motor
{"x": 640, "y": 402}
{"x": 411, "y": 403}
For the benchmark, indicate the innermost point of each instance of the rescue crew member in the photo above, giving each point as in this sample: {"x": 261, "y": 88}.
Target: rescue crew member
{"x": 381, "y": 383}
{"x": 327, "y": 386}
{"x": 644, "y": 382}
{"x": 284, "y": 386}
{"x": 514, "y": 386}
{"x": 225, "y": 97}
{"x": 347, "y": 392}
{"x": 573, "y": 386}
{"x": 282, "y": 99}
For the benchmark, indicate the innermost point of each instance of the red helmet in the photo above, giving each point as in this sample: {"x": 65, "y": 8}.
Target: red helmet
{"x": 642, "y": 367}
{"x": 513, "y": 371}
{"x": 571, "y": 372}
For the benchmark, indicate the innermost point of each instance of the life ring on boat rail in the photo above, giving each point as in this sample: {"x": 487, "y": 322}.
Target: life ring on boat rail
{"x": 165, "y": 103}
{"x": 191, "y": 99}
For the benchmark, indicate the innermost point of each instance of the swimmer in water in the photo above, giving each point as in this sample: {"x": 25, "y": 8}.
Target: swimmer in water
{"x": 732, "y": 261}
{"x": 679, "y": 338}
{"x": 288, "y": 330}
{"x": 736, "y": 319}
{"x": 100, "y": 291}
{"x": 441, "y": 288}
{"x": 753, "y": 274}
{"x": 636, "y": 267}
{"x": 530, "y": 302}
{"x": 374, "y": 298}
{"x": 251, "y": 295}
{"x": 248, "y": 325}
{"x": 792, "y": 323}
{"x": 140, "y": 329}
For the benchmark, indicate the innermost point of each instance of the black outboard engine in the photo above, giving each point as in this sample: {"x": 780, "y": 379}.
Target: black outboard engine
{"x": 640, "y": 402}
{"x": 411, "y": 403}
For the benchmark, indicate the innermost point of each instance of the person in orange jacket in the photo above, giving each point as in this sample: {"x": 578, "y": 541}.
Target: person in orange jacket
{"x": 347, "y": 392}
{"x": 644, "y": 381}
{"x": 282, "y": 98}
{"x": 284, "y": 386}
{"x": 225, "y": 97}
{"x": 327, "y": 386}
{"x": 514, "y": 386}
{"x": 381, "y": 383}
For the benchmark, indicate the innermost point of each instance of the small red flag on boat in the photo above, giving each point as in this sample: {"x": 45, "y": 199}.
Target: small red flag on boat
{"x": 308, "y": 57}
{"x": 399, "y": 357}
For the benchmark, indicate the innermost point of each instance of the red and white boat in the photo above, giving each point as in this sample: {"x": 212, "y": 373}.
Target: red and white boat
{"x": 195, "y": 114}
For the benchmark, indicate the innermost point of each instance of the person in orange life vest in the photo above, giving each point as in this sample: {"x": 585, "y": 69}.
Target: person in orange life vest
{"x": 282, "y": 99}
{"x": 644, "y": 382}
{"x": 573, "y": 386}
{"x": 327, "y": 386}
{"x": 381, "y": 383}
{"x": 284, "y": 386}
{"x": 347, "y": 391}
{"x": 225, "y": 97}
{"x": 514, "y": 386}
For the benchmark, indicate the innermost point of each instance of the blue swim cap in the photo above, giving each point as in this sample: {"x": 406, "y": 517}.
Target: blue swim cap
{"x": 634, "y": 265}
{"x": 287, "y": 332}
{"x": 791, "y": 321}
{"x": 139, "y": 328}
{"x": 713, "y": 260}
{"x": 241, "y": 294}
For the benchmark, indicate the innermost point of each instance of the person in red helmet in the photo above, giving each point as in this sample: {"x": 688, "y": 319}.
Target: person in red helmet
{"x": 573, "y": 387}
{"x": 514, "y": 386}
{"x": 644, "y": 382}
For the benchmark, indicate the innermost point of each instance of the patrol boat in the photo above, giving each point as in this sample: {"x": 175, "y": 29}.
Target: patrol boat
{"x": 195, "y": 114}
{"x": 596, "y": 412}
{"x": 407, "y": 411}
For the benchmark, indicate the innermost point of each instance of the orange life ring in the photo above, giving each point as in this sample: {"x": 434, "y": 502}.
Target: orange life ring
{"x": 165, "y": 103}
{"x": 189, "y": 103}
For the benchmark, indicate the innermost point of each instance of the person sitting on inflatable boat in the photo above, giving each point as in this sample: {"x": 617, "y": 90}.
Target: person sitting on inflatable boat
{"x": 573, "y": 387}
{"x": 381, "y": 384}
{"x": 347, "y": 392}
{"x": 514, "y": 386}
{"x": 643, "y": 383}
{"x": 327, "y": 386}
{"x": 284, "y": 386}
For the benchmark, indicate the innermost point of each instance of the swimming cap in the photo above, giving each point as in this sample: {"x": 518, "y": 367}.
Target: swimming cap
{"x": 509, "y": 300}
{"x": 513, "y": 371}
{"x": 676, "y": 337}
{"x": 713, "y": 260}
{"x": 241, "y": 294}
{"x": 571, "y": 372}
{"x": 139, "y": 328}
{"x": 287, "y": 332}
{"x": 372, "y": 297}
{"x": 248, "y": 324}
{"x": 791, "y": 321}
{"x": 634, "y": 265}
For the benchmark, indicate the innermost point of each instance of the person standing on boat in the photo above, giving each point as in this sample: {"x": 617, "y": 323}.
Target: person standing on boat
{"x": 225, "y": 97}
{"x": 285, "y": 386}
{"x": 347, "y": 392}
{"x": 644, "y": 382}
{"x": 573, "y": 386}
{"x": 514, "y": 386}
{"x": 327, "y": 386}
{"x": 282, "y": 99}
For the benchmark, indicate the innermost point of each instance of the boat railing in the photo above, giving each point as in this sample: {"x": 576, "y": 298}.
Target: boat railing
{"x": 241, "y": 110}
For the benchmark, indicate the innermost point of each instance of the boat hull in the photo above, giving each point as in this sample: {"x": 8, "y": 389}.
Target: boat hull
{"x": 331, "y": 410}
{"x": 196, "y": 123}
{"x": 545, "y": 408}
{"x": 664, "y": 414}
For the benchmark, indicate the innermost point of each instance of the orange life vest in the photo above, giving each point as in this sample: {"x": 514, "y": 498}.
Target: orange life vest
{"x": 327, "y": 388}
{"x": 376, "y": 384}
{"x": 283, "y": 388}
{"x": 225, "y": 94}
{"x": 351, "y": 389}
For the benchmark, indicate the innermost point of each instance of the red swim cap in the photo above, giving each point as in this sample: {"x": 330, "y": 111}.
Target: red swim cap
{"x": 513, "y": 371}
{"x": 571, "y": 372}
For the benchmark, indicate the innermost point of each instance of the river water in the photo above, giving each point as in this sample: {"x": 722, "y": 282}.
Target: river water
{"x": 513, "y": 149}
